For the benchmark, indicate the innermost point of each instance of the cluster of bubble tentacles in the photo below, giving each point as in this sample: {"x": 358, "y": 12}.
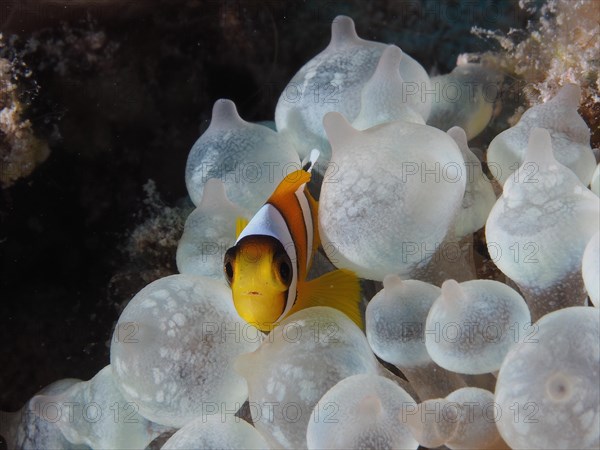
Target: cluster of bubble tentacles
{"x": 471, "y": 363}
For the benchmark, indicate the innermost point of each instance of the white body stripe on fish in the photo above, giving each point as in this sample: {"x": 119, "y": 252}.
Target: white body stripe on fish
{"x": 308, "y": 224}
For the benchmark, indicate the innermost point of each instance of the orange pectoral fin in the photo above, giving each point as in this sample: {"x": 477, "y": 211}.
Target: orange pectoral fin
{"x": 339, "y": 289}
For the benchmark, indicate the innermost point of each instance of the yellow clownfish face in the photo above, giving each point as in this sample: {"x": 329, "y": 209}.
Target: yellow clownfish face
{"x": 259, "y": 272}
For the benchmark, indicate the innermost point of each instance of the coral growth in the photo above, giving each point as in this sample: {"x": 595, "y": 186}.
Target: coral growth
{"x": 20, "y": 150}
{"x": 156, "y": 236}
{"x": 558, "y": 48}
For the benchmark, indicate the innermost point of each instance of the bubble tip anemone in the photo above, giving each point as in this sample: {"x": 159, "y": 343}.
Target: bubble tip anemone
{"x": 451, "y": 290}
{"x": 343, "y": 32}
{"x": 460, "y": 137}
{"x": 338, "y": 129}
{"x": 569, "y": 95}
{"x": 392, "y": 281}
{"x": 225, "y": 115}
{"x": 389, "y": 62}
{"x": 539, "y": 147}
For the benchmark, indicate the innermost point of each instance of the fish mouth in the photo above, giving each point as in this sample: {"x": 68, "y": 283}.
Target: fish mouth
{"x": 253, "y": 293}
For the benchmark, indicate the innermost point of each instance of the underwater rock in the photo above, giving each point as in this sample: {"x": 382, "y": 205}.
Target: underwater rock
{"x": 591, "y": 269}
{"x": 472, "y": 325}
{"x": 301, "y": 359}
{"x": 35, "y": 425}
{"x": 548, "y": 389}
{"x": 250, "y": 159}
{"x": 538, "y": 229}
{"x": 479, "y": 196}
{"x": 209, "y": 232}
{"x": 372, "y": 218}
{"x": 361, "y": 411}
{"x": 333, "y": 80}
{"x": 382, "y": 98}
{"x": 465, "y": 98}
{"x": 94, "y": 413}
{"x": 570, "y": 138}
{"x": 395, "y": 324}
{"x": 173, "y": 348}
{"x": 216, "y": 432}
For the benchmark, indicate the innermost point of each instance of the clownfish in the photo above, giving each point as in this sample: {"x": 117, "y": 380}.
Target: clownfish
{"x": 268, "y": 265}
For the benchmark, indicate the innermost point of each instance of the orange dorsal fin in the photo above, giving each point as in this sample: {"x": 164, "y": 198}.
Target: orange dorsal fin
{"x": 339, "y": 289}
{"x": 240, "y": 224}
{"x": 290, "y": 184}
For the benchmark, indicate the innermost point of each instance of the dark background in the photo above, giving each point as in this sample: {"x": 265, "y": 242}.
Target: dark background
{"x": 121, "y": 90}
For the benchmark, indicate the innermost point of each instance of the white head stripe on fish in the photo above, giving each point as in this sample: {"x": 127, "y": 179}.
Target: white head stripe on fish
{"x": 308, "y": 163}
{"x": 268, "y": 221}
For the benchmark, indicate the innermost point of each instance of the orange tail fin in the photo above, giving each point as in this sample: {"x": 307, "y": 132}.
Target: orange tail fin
{"x": 339, "y": 289}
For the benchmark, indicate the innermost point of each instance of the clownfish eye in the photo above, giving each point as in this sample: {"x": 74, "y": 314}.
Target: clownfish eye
{"x": 228, "y": 265}
{"x": 285, "y": 271}
{"x": 229, "y": 271}
{"x": 284, "y": 268}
